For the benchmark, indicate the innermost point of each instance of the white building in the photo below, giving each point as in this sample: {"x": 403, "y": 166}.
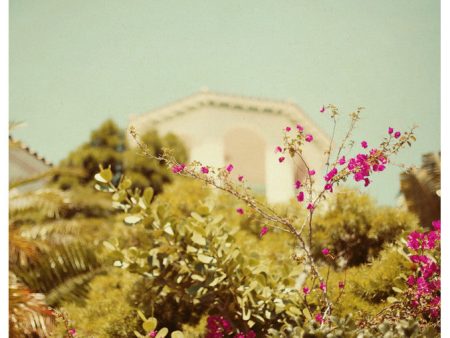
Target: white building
{"x": 219, "y": 129}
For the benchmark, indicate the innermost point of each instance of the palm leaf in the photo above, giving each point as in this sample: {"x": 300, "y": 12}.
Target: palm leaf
{"x": 29, "y": 315}
{"x": 420, "y": 187}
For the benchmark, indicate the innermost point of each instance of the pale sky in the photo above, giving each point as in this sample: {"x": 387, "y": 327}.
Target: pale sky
{"x": 75, "y": 63}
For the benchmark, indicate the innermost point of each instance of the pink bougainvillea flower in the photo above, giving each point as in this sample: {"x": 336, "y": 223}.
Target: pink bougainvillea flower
{"x": 241, "y": 178}
{"x": 230, "y": 168}
{"x": 341, "y": 285}
{"x": 329, "y": 187}
{"x": 278, "y": 149}
{"x": 240, "y": 211}
{"x": 263, "y": 231}
{"x": 298, "y": 184}
{"x": 322, "y": 109}
{"x": 397, "y": 134}
{"x": 436, "y": 224}
{"x": 323, "y": 286}
{"x": 329, "y": 176}
{"x": 364, "y": 144}
{"x": 319, "y": 318}
{"x": 288, "y": 129}
{"x": 310, "y": 206}
{"x": 311, "y": 172}
{"x": 342, "y": 160}
{"x": 299, "y": 128}
{"x": 301, "y": 196}
{"x": 153, "y": 333}
{"x": 309, "y": 138}
{"x": 306, "y": 290}
{"x": 390, "y": 130}
{"x": 281, "y": 159}
{"x": 177, "y": 168}
{"x": 205, "y": 170}
{"x": 325, "y": 251}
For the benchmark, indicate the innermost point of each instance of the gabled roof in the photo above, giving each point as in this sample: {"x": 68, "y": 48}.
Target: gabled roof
{"x": 16, "y": 144}
{"x": 292, "y": 112}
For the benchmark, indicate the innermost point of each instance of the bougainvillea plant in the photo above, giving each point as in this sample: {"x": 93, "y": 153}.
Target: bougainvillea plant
{"x": 424, "y": 283}
{"x": 341, "y": 165}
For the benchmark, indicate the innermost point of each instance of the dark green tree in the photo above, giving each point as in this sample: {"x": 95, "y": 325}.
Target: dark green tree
{"x": 108, "y": 147}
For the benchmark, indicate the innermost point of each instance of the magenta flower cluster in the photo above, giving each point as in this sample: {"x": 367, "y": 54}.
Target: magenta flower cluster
{"x": 362, "y": 165}
{"x": 178, "y": 168}
{"x": 425, "y": 282}
{"x": 219, "y": 327}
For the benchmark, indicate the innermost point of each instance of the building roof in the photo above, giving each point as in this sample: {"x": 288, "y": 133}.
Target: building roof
{"x": 17, "y": 144}
{"x": 292, "y": 112}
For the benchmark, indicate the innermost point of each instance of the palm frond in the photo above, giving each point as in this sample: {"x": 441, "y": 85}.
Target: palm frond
{"x": 58, "y": 267}
{"x": 48, "y": 202}
{"x": 29, "y": 315}
{"x": 420, "y": 187}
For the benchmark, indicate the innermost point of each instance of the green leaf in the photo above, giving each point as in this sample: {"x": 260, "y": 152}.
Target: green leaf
{"x": 104, "y": 176}
{"x": 148, "y": 195}
{"x": 392, "y": 300}
{"x": 177, "y": 334}
{"x": 306, "y": 314}
{"x": 141, "y": 315}
{"x": 125, "y": 183}
{"x": 109, "y": 245}
{"x": 150, "y": 324}
{"x": 162, "y": 333}
{"x": 396, "y": 289}
{"x": 204, "y": 259}
{"x": 198, "y": 239}
{"x": 197, "y": 217}
{"x": 132, "y": 219}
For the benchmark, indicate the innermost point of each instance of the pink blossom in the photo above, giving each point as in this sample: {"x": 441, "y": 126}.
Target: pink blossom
{"x": 325, "y": 251}
{"x": 301, "y": 196}
{"x": 341, "y": 284}
{"x": 288, "y": 129}
{"x": 278, "y": 149}
{"x": 263, "y": 231}
{"x": 411, "y": 280}
{"x": 205, "y": 170}
{"x": 299, "y": 128}
{"x": 72, "y": 332}
{"x": 311, "y": 172}
{"x": 436, "y": 224}
{"x": 390, "y": 130}
{"x": 329, "y": 187}
{"x": 366, "y": 182}
{"x": 241, "y": 178}
{"x": 364, "y": 144}
{"x": 322, "y": 109}
{"x": 230, "y": 168}
{"x": 342, "y": 160}
{"x": 240, "y": 211}
{"x": 153, "y": 333}
{"x": 281, "y": 159}
{"x": 397, "y": 134}
{"x": 310, "y": 206}
{"x": 323, "y": 286}
{"x": 329, "y": 176}
{"x": 177, "y": 168}
{"x": 309, "y": 138}
{"x": 306, "y": 290}
{"x": 298, "y": 184}
{"x": 319, "y": 318}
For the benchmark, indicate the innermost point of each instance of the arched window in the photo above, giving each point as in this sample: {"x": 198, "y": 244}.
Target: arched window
{"x": 245, "y": 149}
